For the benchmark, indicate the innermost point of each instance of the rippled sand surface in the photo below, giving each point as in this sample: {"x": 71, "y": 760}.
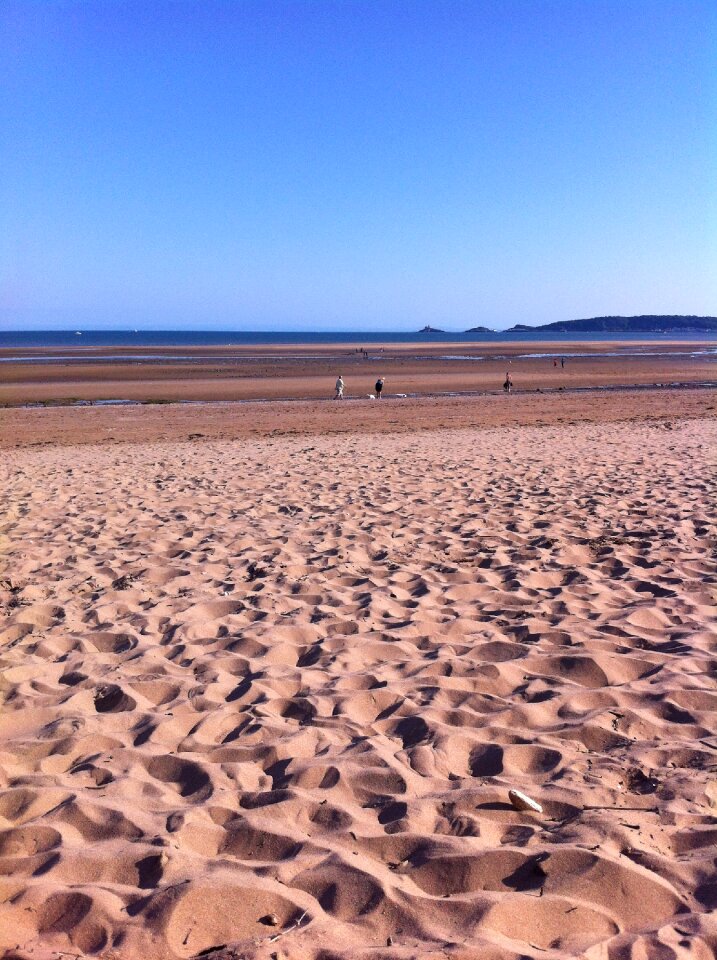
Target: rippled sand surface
{"x": 268, "y": 696}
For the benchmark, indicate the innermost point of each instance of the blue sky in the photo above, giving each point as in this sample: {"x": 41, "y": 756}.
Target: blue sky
{"x": 355, "y": 165}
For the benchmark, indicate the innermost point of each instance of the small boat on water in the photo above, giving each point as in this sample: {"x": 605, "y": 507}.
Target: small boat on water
{"x": 78, "y": 333}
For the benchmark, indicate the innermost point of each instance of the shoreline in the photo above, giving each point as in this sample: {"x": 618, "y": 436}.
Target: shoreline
{"x": 480, "y": 346}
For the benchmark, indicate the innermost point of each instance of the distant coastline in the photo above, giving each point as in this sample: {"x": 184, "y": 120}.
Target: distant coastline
{"x": 645, "y": 323}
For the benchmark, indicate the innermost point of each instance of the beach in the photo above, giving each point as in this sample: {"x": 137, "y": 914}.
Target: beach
{"x": 161, "y": 374}
{"x": 358, "y": 481}
{"x": 270, "y": 668}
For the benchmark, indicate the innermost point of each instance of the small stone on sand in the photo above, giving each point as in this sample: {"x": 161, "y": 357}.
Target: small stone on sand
{"x": 522, "y": 801}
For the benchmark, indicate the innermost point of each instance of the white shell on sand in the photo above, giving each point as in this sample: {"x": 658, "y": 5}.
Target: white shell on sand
{"x": 522, "y": 801}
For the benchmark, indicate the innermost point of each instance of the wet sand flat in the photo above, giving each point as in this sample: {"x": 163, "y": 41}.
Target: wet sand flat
{"x": 240, "y": 420}
{"x": 268, "y": 672}
{"x": 309, "y": 372}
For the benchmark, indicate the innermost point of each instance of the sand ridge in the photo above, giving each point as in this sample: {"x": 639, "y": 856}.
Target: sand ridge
{"x": 272, "y": 693}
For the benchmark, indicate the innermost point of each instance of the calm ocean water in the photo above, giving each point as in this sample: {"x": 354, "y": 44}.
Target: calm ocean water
{"x": 204, "y": 338}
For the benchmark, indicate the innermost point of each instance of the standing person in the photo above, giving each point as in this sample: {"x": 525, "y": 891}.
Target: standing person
{"x": 339, "y": 395}
{"x": 562, "y": 363}
{"x": 508, "y": 383}
{"x": 379, "y": 387}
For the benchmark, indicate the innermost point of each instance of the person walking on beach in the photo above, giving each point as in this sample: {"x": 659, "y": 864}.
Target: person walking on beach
{"x": 339, "y": 395}
{"x": 508, "y": 382}
{"x": 562, "y": 363}
{"x": 379, "y": 387}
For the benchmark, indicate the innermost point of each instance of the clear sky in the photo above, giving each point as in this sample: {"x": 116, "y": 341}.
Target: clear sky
{"x": 338, "y": 164}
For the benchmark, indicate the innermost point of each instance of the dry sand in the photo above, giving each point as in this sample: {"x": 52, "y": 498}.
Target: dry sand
{"x": 271, "y": 692}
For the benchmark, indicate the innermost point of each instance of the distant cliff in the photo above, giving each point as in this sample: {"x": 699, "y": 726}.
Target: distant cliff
{"x": 428, "y": 329}
{"x": 480, "y": 330}
{"x": 648, "y": 323}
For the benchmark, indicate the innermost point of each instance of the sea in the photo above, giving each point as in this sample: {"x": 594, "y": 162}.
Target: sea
{"x": 81, "y": 339}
